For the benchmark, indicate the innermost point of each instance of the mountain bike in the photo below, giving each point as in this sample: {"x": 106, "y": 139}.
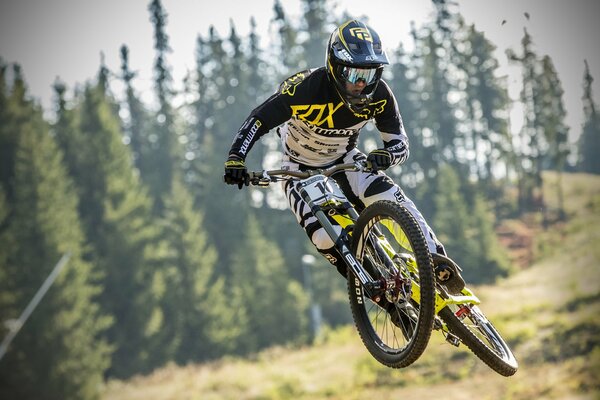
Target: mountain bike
{"x": 392, "y": 300}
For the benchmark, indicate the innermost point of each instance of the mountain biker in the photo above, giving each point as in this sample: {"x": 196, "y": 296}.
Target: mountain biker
{"x": 319, "y": 114}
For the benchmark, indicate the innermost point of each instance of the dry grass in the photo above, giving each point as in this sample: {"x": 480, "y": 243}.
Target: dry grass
{"x": 550, "y": 313}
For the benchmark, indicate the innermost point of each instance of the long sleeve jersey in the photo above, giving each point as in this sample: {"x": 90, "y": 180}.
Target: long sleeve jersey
{"x": 315, "y": 126}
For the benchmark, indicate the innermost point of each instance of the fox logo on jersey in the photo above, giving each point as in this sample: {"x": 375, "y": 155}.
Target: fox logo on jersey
{"x": 289, "y": 85}
{"x": 316, "y": 114}
{"x": 372, "y": 110}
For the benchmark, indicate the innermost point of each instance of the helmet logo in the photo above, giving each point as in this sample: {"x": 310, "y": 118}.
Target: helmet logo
{"x": 345, "y": 55}
{"x": 361, "y": 34}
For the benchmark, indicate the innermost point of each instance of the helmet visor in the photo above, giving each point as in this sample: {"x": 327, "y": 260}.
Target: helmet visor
{"x": 355, "y": 75}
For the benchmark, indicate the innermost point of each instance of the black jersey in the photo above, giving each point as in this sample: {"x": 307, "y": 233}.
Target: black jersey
{"x": 315, "y": 126}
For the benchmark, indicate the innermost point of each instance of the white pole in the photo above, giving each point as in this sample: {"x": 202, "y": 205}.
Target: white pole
{"x": 315, "y": 309}
{"x": 16, "y": 326}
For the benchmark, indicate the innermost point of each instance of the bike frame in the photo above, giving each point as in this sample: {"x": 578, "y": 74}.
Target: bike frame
{"x": 445, "y": 299}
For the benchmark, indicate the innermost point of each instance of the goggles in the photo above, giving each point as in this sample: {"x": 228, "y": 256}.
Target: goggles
{"x": 354, "y": 75}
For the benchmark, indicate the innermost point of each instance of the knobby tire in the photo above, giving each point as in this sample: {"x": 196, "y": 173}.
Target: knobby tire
{"x": 501, "y": 360}
{"x": 408, "y": 354}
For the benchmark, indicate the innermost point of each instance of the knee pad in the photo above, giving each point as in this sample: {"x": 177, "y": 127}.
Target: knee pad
{"x": 321, "y": 239}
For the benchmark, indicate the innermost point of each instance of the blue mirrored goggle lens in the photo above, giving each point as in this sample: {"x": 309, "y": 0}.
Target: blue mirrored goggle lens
{"x": 354, "y": 75}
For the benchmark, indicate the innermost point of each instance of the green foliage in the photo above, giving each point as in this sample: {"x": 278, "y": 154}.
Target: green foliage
{"x": 258, "y": 270}
{"x": 589, "y": 143}
{"x": 59, "y": 352}
{"x": 160, "y": 162}
{"x": 116, "y": 212}
{"x": 193, "y": 304}
{"x": 169, "y": 264}
{"x": 465, "y": 227}
{"x": 543, "y": 138}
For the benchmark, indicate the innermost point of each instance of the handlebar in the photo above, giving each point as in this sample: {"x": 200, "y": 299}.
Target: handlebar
{"x": 264, "y": 178}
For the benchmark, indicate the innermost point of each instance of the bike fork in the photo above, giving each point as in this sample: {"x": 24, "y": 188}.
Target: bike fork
{"x": 344, "y": 251}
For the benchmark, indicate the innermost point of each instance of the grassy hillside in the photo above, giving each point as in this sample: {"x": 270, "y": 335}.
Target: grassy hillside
{"x": 549, "y": 312}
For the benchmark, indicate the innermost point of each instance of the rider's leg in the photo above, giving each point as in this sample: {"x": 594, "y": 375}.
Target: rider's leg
{"x": 367, "y": 188}
{"x": 313, "y": 229}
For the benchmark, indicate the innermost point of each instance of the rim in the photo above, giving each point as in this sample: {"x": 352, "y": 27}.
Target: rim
{"x": 393, "y": 335}
{"x": 474, "y": 320}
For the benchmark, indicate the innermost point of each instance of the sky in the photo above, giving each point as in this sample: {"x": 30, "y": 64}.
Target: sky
{"x": 64, "y": 38}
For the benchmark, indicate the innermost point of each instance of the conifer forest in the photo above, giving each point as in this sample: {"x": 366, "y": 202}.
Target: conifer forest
{"x": 170, "y": 265}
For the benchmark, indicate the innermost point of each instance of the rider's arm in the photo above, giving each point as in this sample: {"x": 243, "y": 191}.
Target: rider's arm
{"x": 389, "y": 123}
{"x": 273, "y": 112}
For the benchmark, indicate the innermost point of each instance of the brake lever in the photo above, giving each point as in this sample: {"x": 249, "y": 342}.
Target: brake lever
{"x": 364, "y": 166}
{"x": 263, "y": 180}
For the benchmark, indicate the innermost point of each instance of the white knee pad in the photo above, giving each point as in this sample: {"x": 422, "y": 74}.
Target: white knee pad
{"x": 321, "y": 239}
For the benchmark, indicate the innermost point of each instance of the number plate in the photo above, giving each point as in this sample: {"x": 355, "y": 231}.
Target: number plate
{"x": 320, "y": 189}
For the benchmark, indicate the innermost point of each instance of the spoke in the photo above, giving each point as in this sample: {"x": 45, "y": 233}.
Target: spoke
{"x": 392, "y": 335}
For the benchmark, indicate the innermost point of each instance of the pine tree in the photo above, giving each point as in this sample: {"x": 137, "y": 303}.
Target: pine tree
{"x": 17, "y": 115}
{"x": 5, "y": 135}
{"x": 551, "y": 118}
{"x": 116, "y": 213}
{"x": 162, "y": 164}
{"x": 221, "y": 121}
{"x": 194, "y": 304}
{"x": 137, "y": 121}
{"x": 531, "y": 141}
{"x": 275, "y": 306}
{"x": 202, "y": 122}
{"x": 403, "y": 83}
{"x": 589, "y": 142}
{"x": 58, "y": 353}
{"x": 444, "y": 95}
{"x": 468, "y": 236}
{"x": 436, "y": 118}
{"x": 288, "y": 50}
{"x": 316, "y": 27}
{"x": 487, "y": 104}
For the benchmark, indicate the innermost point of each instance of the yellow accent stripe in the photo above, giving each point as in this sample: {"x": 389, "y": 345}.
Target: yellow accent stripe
{"x": 342, "y": 220}
{"x": 340, "y": 29}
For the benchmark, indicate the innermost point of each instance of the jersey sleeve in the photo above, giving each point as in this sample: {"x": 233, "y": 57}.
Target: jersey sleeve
{"x": 273, "y": 112}
{"x": 389, "y": 123}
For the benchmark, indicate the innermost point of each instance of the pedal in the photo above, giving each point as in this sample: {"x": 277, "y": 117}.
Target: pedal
{"x": 452, "y": 339}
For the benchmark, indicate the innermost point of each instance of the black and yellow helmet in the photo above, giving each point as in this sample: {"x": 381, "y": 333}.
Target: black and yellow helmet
{"x": 354, "y": 53}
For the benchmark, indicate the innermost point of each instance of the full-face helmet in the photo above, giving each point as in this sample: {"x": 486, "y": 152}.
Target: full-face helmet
{"x": 355, "y": 55}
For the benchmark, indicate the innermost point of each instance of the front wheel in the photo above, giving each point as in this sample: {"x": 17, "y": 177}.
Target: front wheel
{"x": 472, "y": 327}
{"x": 396, "y": 320}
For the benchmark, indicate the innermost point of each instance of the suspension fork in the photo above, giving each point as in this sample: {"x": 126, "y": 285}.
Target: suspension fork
{"x": 341, "y": 245}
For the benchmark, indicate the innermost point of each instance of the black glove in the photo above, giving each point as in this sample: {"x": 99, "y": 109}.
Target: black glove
{"x": 236, "y": 172}
{"x": 380, "y": 159}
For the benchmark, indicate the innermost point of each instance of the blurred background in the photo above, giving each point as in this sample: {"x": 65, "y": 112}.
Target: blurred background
{"x": 115, "y": 121}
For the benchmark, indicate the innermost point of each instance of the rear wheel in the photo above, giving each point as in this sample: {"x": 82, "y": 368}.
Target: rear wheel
{"x": 394, "y": 328}
{"x": 472, "y": 327}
